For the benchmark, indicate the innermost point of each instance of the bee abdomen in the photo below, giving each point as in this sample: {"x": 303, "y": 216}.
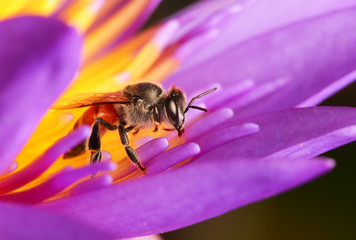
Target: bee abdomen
{"x": 76, "y": 151}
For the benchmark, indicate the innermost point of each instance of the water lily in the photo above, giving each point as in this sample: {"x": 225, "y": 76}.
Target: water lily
{"x": 272, "y": 63}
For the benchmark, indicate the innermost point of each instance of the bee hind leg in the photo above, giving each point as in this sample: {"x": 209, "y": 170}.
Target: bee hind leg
{"x": 94, "y": 140}
{"x": 94, "y": 144}
{"x": 131, "y": 153}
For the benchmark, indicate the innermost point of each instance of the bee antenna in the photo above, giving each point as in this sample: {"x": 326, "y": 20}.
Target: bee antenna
{"x": 190, "y": 105}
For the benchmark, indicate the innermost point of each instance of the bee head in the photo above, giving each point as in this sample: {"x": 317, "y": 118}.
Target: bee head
{"x": 175, "y": 104}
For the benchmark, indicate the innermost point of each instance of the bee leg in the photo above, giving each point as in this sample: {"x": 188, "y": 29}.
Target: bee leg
{"x": 106, "y": 124}
{"x": 94, "y": 140}
{"x": 129, "y": 128}
{"x": 94, "y": 144}
{"x": 137, "y": 129}
{"x": 129, "y": 150}
{"x": 156, "y": 127}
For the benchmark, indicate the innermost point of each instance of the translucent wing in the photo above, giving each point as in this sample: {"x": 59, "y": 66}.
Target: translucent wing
{"x": 91, "y": 99}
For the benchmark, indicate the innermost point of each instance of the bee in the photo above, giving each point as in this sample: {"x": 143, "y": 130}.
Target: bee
{"x": 136, "y": 107}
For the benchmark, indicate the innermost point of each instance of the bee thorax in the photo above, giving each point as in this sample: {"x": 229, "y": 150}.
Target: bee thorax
{"x": 136, "y": 116}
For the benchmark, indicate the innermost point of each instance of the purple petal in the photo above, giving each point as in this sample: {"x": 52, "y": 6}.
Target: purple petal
{"x": 193, "y": 16}
{"x": 217, "y": 138}
{"x": 172, "y": 157}
{"x": 260, "y": 17}
{"x": 193, "y": 44}
{"x": 41, "y": 164}
{"x": 92, "y": 184}
{"x": 292, "y": 133}
{"x": 56, "y": 184}
{"x": 146, "y": 152}
{"x": 229, "y": 93}
{"x": 329, "y": 90}
{"x": 256, "y": 94}
{"x": 20, "y": 222}
{"x": 195, "y": 192}
{"x": 39, "y": 57}
{"x": 312, "y": 63}
{"x": 166, "y": 34}
{"x": 208, "y": 123}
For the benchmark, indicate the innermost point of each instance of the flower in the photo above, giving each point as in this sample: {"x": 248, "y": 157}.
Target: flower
{"x": 254, "y": 143}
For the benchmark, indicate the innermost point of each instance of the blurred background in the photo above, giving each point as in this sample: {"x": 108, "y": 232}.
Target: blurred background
{"x": 322, "y": 209}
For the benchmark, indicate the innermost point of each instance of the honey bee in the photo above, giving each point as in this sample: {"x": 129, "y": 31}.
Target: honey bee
{"x": 137, "y": 106}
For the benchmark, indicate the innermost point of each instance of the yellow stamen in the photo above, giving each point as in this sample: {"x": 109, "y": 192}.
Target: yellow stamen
{"x": 162, "y": 70}
{"x": 150, "y": 53}
{"x": 100, "y": 75}
{"x": 10, "y": 8}
{"x": 107, "y": 8}
{"x": 144, "y": 59}
{"x": 113, "y": 27}
{"x": 42, "y": 7}
{"x": 81, "y": 13}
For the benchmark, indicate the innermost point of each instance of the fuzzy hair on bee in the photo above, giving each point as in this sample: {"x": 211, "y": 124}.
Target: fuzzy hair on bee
{"x": 137, "y": 106}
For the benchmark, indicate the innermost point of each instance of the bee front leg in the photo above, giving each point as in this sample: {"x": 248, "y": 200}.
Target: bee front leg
{"x": 94, "y": 144}
{"x": 130, "y": 128}
{"x": 155, "y": 129}
{"x": 131, "y": 153}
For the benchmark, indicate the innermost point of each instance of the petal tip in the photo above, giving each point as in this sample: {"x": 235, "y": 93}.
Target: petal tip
{"x": 228, "y": 112}
{"x": 112, "y": 166}
{"x": 330, "y": 163}
{"x": 107, "y": 179}
{"x": 84, "y": 130}
{"x": 193, "y": 147}
{"x": 163, "y": 141}
{"x": 252, "y": 126}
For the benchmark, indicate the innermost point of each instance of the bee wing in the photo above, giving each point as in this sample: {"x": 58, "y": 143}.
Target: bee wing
{"x": 91, "y": 99}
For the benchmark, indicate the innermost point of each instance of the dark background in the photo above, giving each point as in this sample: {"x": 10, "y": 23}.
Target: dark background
{"x": 322, "y": 209}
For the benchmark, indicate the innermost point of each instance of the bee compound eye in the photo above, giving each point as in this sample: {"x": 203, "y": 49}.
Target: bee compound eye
{"x": 175, "y": 117}
{"x": 172, "y": 109}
